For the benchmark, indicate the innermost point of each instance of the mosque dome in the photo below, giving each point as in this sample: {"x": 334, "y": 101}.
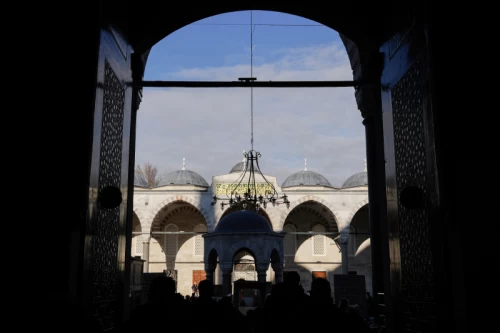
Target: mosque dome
{"x": 306, "y": 178}
{"x": 358, "y": 179}
{"x": 243, "y": 221}
{"x": 183, "y": 177}
{"x": 240, "y": 166}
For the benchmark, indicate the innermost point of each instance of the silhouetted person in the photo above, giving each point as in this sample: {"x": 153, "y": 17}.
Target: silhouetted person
{"x": 369, "y": 305}
{"x": 344, "y": 304}
{"x": 295, "y": 295}
{"x": 292, "y": 279}
{"x": 321, "y": 307}
{"x": 194, "y": 288}
{"x": 355, "y": 320}
{"x": 203, "y": 309}
{"x": 163, "y": 302}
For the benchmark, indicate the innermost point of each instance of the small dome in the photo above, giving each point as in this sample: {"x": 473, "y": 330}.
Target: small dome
{"x": 183, "y": 177}
{"x": 243, "y": 221}
{"x": 358, "y": 179}
{"x": 238, "y": 167}
{"x": 306, "y": 178}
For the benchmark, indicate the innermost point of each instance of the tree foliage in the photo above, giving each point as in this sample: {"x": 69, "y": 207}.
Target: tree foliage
{"x": 147, "y": 175}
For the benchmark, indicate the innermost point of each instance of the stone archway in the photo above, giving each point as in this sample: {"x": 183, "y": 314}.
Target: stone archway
{"x": 141, "y": 216}
{"x": 143, "y": 24}
{"x": 284, "y": 214}
{"x": 355, "y": 209}
{"x": 182, "y": 199}
{"x": 244, "y": 244}
{"x": 359, "y": 48}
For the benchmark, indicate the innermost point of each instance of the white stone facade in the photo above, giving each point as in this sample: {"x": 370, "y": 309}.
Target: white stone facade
{"x": 186, "y": 211}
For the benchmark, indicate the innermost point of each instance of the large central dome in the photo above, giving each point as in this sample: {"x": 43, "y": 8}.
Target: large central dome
{"x": 243, "y": 221}
{"x": 240, "y": 167}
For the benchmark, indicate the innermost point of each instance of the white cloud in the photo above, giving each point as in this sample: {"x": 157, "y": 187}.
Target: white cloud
{"x": 211, "y": 127}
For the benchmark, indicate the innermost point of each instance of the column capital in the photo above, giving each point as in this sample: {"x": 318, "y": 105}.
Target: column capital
{"x": 368, "y": 94}
{"x": 344, "y": 237}
{"x": 372, "y": 64}
{"x": 262, "y": 267}
{"x": 368, "y": 99}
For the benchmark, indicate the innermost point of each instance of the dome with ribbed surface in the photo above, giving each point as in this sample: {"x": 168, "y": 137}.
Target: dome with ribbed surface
{"x": 358, "y": 179}
{"x": 243, "y": 221}
{"x": 306, "y": 178}
{"x": 183, "y": 177}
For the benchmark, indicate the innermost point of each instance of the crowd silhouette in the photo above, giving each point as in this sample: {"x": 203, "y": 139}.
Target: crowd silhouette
{"x": 286, "y": 307}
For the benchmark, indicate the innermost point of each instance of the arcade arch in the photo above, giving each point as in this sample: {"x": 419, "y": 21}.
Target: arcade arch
{"x": 359, "y": 246}
{"x": 144, "y": 23}
{"x": 176, "y": 242}
{"x": 321, "y": 207}
{"x": 309, "y": 245}
{"x": 137, "y": 236}
{"x": 160, "y": 209}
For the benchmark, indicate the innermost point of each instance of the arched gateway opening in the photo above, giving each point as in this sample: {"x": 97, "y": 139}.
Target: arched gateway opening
{"x": 124, "y": 36}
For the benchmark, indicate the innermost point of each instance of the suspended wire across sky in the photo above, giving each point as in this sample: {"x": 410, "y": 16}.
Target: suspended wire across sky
{"x": 264, "y": 24}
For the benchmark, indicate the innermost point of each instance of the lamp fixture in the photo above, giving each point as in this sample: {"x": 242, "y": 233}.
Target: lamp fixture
{"x": 251, "y": 190}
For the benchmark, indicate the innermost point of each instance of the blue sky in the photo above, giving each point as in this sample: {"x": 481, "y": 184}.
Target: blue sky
{"x": 211, "y": 127}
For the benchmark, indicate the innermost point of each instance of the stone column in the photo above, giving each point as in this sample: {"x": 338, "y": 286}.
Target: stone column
{"x": 262, "y": 272}
{"x": 278, "y": 272}
{"x": 344, "y": 241}
{"x": 209, "y": 271}
{"x": 226, "y": 279}
{"x": 368, "y": 98}
{"x": 210, "y": 276}
{"x": 217, "y": 275}
{"x": 262, "y": 267}
{"x": 145, "y": 252}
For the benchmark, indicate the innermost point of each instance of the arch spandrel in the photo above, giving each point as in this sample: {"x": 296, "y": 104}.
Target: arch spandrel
{"x": 355, "y": 209}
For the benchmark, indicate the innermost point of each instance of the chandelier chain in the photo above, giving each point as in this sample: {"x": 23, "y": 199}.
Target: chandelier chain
{"x": 256, "y": 193}
{"x": 251, "y": 75}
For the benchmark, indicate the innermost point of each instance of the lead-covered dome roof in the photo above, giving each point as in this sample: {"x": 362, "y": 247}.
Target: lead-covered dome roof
{"x": 243, "y": 221}
{"x": 358, "y": 179}
{"x": 183, "y": 177}
{"x": 239, "y": 167}
{"x": 306, "y": 178}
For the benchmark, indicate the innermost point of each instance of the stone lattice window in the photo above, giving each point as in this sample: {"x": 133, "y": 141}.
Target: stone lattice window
{"x": 290, "y": 241}
{"x": 138, "y": 245}
{"x": 319, "y": 241}
{"x": 171, "y": 240}
{"x": 198, "y": 240}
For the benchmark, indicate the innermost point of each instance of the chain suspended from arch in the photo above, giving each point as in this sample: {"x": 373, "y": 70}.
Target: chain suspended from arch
{"x": 253, "y": 194}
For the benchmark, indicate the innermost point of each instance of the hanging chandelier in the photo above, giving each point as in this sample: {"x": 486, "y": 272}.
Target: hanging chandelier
{"x": 251, "y": 190}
